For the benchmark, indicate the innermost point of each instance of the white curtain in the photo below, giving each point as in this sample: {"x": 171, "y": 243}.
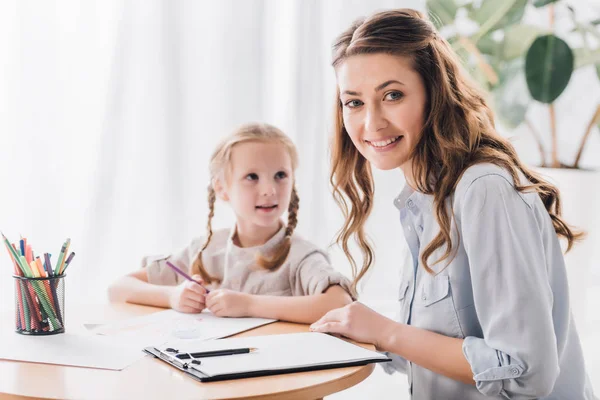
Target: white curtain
{"x": 109, "y": 110}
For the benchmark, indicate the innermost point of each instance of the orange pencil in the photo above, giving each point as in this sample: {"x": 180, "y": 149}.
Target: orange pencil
{"x": 40, "y": 267}
{"x": 44, "y": 273}
{"x": 28, "y": 256}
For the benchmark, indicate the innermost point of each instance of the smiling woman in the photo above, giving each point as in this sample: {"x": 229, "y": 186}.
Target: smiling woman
{"x": 483, "y": 311}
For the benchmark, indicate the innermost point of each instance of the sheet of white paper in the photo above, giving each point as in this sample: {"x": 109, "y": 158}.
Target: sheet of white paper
{"x": 157, "y": 328}
{"x": 80, "y": 350}
{"x": 275, "y": 352}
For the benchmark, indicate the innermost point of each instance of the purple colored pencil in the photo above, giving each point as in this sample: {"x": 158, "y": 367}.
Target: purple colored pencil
{"x": 186, "y": 276}
{"x": 48, "y": 265}
{"x": 68, "y": 261}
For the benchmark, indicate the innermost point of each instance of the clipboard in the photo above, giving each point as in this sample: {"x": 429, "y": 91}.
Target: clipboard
{"x": 277, "y": 354}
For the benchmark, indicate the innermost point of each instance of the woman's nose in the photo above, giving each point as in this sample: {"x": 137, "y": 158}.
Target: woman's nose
{"x": 374, "y": 120}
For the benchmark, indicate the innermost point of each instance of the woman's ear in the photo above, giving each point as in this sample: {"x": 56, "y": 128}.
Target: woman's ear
{"x": 220, "y": 189}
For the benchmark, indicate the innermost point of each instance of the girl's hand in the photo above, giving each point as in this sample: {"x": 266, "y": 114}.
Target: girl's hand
{"x": 228, "y": 303}
{"x": 357, "y": 322}
{"x": 188, "y": 297}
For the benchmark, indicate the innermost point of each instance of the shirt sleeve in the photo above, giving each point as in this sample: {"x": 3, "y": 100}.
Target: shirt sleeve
{"x": 517, "y": 357}
{"x": 314, "y": 275}
{"x": 398, "y": 363}
{"x": 159, "y": 273}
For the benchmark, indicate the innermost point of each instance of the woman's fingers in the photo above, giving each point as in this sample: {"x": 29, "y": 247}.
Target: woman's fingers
{"x": 332, "y": 316}
{"x": 330, "y": 327}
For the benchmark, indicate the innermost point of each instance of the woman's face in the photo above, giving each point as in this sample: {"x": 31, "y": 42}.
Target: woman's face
{"x": 383, "y": 102}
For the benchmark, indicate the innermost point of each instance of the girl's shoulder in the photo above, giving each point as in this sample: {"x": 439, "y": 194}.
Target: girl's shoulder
{"x": 218, "y": 242}
{"x": 302, "y": 248}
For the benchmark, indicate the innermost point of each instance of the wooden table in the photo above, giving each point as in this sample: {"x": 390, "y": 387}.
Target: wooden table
{"x": 150, "y": 378}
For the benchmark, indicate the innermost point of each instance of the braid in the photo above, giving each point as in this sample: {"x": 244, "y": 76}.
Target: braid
{"x": 292, "y": 213}
{"x": 198, "y": 265}
{"x": 284, "y": 248}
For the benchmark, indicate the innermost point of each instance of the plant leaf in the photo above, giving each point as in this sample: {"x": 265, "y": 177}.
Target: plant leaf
{"x": 514, "y": 15}
{"x": 493, "y": 15}
{"x": 487, "y": 45}
{"x": 548, "y": 67}
{"x": 517, "y": 39}
{"x": 542, "y": 3}
{"x": 598, "y": 70}
{"x": 441, "y": 12}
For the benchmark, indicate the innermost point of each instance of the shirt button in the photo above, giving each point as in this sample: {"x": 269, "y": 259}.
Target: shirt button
{"x": 410, "y": 203}
{"x": 514, "y": 371}
{"x": 409, "y": 229}
{"x": 423, "y": 297}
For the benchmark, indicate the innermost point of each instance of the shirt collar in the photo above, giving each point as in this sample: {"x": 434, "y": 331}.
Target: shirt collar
{"x": 264, "y": 248}
{"x": 412, "y": 199}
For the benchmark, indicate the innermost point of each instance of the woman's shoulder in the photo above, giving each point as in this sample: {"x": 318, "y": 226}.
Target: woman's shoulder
{"x": 482, "y": 181}
{"x": 479, "y": 171}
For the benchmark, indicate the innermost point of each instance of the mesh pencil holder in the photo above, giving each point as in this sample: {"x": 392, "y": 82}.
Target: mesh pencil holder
{"x": 39, "y": 305}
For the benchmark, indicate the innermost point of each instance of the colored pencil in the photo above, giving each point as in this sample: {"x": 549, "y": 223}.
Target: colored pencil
{"x": 186, "y": 276}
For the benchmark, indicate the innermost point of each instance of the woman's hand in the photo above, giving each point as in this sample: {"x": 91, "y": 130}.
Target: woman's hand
{"x": 357, "y": 322}
{"x": 228, "y": 303}
{"x": 188, "y": 297}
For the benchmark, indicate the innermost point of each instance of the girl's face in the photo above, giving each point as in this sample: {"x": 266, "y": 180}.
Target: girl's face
{"x": 383, "y": 102}
{"x": 259, "y": 183}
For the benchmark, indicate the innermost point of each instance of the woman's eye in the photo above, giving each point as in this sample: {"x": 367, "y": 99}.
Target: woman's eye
{"x": 353, "y": 103}
{"x": 394, "y": 96}
{"x": 252, "y": 177}
{"x": 280, "y": 175}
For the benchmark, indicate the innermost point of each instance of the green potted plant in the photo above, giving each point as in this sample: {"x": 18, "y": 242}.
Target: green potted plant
{"x": 519, "y": 64}
{"x": 504, "y": 50}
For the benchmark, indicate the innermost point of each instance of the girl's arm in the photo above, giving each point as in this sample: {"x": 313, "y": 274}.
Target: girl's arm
{"x": 134, "y": 288}
{"x": 301, "y": 309}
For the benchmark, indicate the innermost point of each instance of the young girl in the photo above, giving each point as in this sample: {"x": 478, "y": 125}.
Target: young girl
{"x": 259, "y": 268}
{"x": 483, "y": 311}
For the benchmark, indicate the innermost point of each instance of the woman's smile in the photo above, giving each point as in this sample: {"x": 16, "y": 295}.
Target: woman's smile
{"x": 384, "y": 145}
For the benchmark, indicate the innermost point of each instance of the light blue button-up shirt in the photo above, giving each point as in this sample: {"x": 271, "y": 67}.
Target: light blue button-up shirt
{"x": 505, "y": 292}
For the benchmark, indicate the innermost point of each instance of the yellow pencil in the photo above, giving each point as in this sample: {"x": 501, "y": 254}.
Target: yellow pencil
{"x": 34, "y": 269}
